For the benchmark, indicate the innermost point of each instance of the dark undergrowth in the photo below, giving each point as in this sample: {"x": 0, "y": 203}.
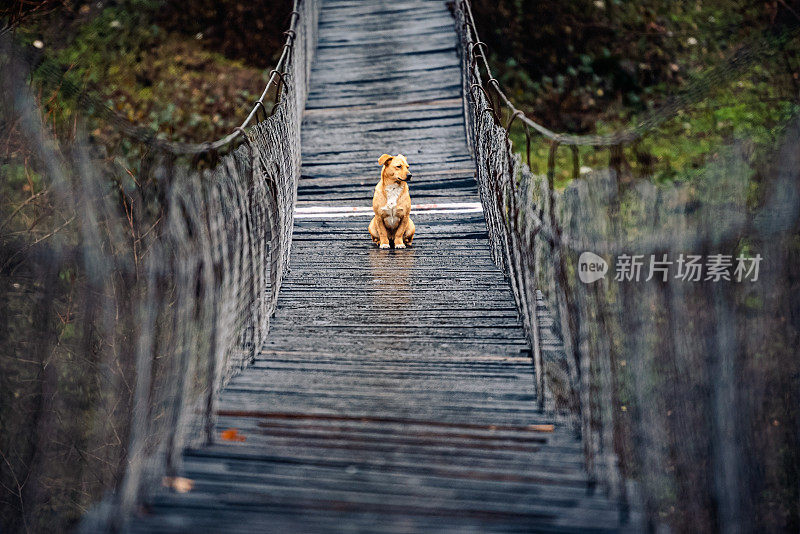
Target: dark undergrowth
{"x": 597, "y": 66}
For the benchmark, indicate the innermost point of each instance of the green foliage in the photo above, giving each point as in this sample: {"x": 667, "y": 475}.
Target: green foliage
{"x": 746, "y": 112}
{"x": 598, "y": 66}
{"x": 156, "y": 78}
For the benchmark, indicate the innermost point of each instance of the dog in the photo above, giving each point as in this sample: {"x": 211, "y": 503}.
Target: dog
{"x": 392, "y": 204}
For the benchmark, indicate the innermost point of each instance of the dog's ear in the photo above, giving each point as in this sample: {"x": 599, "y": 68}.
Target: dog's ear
{"x": 383, "y": 160}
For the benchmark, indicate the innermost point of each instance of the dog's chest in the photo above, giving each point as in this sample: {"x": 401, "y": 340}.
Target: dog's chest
{"x": 391, "y": 220}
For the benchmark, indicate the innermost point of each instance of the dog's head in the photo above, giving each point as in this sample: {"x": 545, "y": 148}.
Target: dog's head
{"x": 395, "y": 168}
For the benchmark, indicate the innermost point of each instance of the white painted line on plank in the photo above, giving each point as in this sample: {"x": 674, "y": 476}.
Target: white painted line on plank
{"x": 369, "y": 214}
{"x": 416, "y": 207}
{"x": 331, "y": 209}
{"x": 332, "y": 212}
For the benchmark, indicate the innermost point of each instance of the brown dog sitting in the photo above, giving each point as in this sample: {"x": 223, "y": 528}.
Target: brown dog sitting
{"x": 392, "y": 204}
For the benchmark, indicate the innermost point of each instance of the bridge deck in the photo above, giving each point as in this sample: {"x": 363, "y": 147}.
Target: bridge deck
{"x": 394, "y": 393}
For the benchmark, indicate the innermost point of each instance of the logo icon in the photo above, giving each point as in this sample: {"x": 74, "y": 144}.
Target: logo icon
{"x": 591, "y": 267}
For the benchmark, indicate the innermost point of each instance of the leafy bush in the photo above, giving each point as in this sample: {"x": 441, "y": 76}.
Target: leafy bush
{"x": 598, "y": 65}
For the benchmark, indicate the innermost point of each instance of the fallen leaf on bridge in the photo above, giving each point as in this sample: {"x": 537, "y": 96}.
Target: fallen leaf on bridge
{"x": 541, "y": 428}
{"x": 232, "y": 434}
{"x": 179, "y": 484}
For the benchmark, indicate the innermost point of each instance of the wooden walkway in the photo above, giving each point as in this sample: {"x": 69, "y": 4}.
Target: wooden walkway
{"x": 396, "y": 393}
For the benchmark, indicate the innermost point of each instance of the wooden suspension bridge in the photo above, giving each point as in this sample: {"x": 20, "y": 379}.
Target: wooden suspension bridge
{"x": 396, "y": 390}
{"x": 241, "y": 357}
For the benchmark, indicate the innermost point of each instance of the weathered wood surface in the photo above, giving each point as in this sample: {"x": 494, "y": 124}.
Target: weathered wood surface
{"x": 395, "y": 392}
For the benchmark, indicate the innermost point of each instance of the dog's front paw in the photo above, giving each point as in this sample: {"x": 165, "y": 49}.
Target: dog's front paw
{"x": 399, "y": 245}
{"x": 384, "y": 245}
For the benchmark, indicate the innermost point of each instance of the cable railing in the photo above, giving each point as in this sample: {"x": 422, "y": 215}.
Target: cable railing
{"x": 161, "y": 279}
{"x": 660, "y": 368}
